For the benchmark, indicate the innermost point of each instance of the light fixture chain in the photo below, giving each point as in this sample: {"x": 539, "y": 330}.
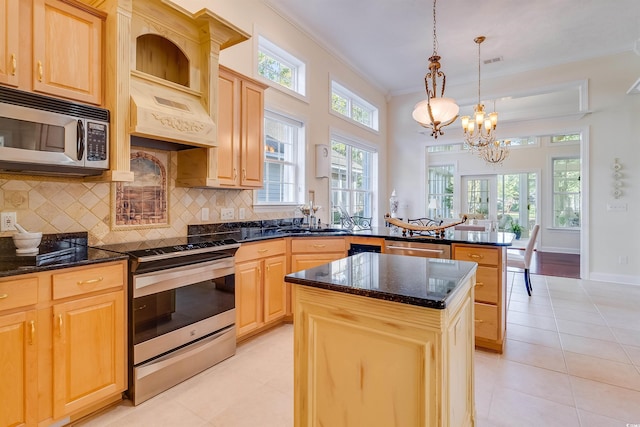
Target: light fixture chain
{"x": 435, "y": 37}
{"x": 479, "y": 43}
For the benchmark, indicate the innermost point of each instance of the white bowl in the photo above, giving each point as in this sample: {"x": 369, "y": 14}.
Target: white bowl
{"x": 27, "y": 242}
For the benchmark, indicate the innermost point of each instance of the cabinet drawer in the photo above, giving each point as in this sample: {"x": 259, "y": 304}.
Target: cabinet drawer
{"x": 317, "y": 245}
{"x": 486, "y": 321}
{"x": 486, "y": 289}
{"x": 249, "y": 251}
{"x": 18, "y": 292}
{"x": 78, "y": 282}
{"x": 486, "y": 256}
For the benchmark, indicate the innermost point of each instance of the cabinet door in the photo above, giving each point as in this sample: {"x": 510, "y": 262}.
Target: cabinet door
{"x": 459, "y": 354}
{"x": 89, "y": 357}
{"x": 252, "y": 135}
{"x": 18, "y": 368}
{"x": 228, "y": 129}
{"x": 248, "y": 297}
{"x": 275, "y": 296}
{"x": 67, "y": 51}
{"x": 9, "y": 46}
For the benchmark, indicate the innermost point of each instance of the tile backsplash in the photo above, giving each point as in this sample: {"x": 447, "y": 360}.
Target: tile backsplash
{"x": 63, "y": 205}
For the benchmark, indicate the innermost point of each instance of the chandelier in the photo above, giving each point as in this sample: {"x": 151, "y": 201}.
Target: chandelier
{"x": 479, "y": 130}
{"x": 495, "y": 152}
{"x": 435, "y": 112}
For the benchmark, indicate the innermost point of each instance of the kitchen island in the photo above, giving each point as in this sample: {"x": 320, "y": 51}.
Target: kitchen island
{"x": 384, "y": 340}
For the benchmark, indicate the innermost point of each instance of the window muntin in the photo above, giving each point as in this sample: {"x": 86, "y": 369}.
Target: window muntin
{"x": 352, "y": 170}
{"x": 350, "y": 105}
{"x": 566, "y": 192}
{"x": 440, "y": 191}
{"x": 279, "y": 66}
{"x": 283, "y": 139}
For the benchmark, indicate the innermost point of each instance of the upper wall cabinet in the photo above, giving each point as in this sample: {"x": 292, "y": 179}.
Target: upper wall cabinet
{"x": 52, "y": 47}
{"x": 10, "y": 45}
{"x": 239, "y": 161}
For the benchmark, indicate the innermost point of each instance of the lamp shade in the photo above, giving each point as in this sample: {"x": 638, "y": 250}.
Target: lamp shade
{"x": 443, "y": 110}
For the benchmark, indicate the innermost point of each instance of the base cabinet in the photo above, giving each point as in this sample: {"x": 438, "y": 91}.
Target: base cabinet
{"x": 366, "y": 362}
{"x": 62, "y": 343}
{"x": 18, "y": 358}
{"x": 490, "y": 292}
{"x": 88, "y": 349}
{"x": 260, "y": 287}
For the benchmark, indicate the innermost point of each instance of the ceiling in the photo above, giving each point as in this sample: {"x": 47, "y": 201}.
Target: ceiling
{"x": 390, "y": 41}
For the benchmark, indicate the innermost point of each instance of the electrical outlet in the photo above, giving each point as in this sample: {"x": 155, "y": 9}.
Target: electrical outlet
{"x": 8, "y": 221}
{"x": 241, "y": 213}
{"x": 226, "y": 213}
{"x": 204, "y": 214}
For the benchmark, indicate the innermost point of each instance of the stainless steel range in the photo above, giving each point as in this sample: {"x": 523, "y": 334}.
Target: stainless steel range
{"x": 181, "y": 311}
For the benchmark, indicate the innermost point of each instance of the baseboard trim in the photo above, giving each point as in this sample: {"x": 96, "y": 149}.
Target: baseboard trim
{"x": 615, "y": 278}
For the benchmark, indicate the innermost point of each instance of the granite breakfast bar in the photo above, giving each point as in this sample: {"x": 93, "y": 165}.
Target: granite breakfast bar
{"x": 382, "y": 340}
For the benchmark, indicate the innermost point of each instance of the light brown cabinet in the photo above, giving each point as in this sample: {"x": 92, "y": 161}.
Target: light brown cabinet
{"x": 18, "y": 352}
{"x": 352, "y": 352}
{"x": 490, "y": 292}
{"x": 238, "y": 159}
{"x": 240, "y": 130}
{"x": 260, "y": 287}
{"x": 10, "y": 46}
{"x": 62, "y": 343}
{"x": 52, "y": 47}
{"x": 312, "y": 252}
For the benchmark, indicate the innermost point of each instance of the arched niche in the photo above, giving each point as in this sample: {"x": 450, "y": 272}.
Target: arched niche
{"x": 160, "y": 57}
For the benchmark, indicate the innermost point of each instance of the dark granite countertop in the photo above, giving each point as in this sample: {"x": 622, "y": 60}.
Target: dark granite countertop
{"x": 270, "y": 229}
{"x": 55, "y": 251}
{"x": 425, "y": 282}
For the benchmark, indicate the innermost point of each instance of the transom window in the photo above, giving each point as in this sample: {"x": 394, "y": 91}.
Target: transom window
{"x": 283, "y": 157}
{"x": 279, "y": 66}
{"x": 350, "y": 105}
{"x": 566, "y": 192}
{"x": 352, "y": 183}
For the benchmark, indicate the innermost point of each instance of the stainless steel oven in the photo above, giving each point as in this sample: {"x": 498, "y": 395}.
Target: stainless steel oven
{"x": 182, "y": 310}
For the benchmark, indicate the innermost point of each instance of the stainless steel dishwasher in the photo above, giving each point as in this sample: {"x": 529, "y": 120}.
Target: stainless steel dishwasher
{"x": 421, "y": 249}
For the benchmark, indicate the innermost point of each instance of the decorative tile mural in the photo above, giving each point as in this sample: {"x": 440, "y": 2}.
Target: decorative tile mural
{"x": 143, "y": 202}
{"x": 63, "y": 205}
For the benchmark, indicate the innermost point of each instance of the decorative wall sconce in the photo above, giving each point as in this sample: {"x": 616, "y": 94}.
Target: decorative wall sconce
{"x": 617, "y": 179}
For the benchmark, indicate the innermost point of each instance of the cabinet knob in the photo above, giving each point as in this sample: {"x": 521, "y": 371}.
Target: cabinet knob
{"x": 479, "y": 284}
{"x": 40, "y": 71}
{"x": 14, "y": 64}
{"x": 4, "y": 296}
{"x": 475, "y": 256}
{"x": 235, "y": 174}
{"x": 60, "y": 324}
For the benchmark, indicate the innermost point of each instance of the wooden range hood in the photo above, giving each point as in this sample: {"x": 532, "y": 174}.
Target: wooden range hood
{"x": 161, "y": 75}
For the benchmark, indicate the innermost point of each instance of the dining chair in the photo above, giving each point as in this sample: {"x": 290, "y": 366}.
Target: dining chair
{"x": 524, "y": 261}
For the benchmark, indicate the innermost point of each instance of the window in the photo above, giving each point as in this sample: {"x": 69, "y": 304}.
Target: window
{"x": 279, "y": 66}
{"x": 352, "y": 180}
{"x": 566, "y": 193}
{"x": 571, "y": 137}
{"x": 283, "y": 139}
{"x": 443, "y": 148}
{"x": 350, "y": 105}
{"x": 440, "y": 191}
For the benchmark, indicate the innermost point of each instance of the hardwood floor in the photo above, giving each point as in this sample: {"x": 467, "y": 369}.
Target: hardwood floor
{"x": 555, "y": 264}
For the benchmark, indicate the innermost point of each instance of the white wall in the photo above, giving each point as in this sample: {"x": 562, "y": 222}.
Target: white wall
{"x": 613, "y": 131}
{"x": 254, "y": 17}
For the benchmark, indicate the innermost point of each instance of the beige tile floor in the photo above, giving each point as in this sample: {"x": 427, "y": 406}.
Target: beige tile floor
{"x": 572, "y": 358}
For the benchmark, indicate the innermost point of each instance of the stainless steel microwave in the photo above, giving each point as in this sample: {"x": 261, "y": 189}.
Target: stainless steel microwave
{"x": 50, "y": 136}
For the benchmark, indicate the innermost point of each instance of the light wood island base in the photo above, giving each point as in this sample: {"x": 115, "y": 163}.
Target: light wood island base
{"x": 360, "y": 361}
